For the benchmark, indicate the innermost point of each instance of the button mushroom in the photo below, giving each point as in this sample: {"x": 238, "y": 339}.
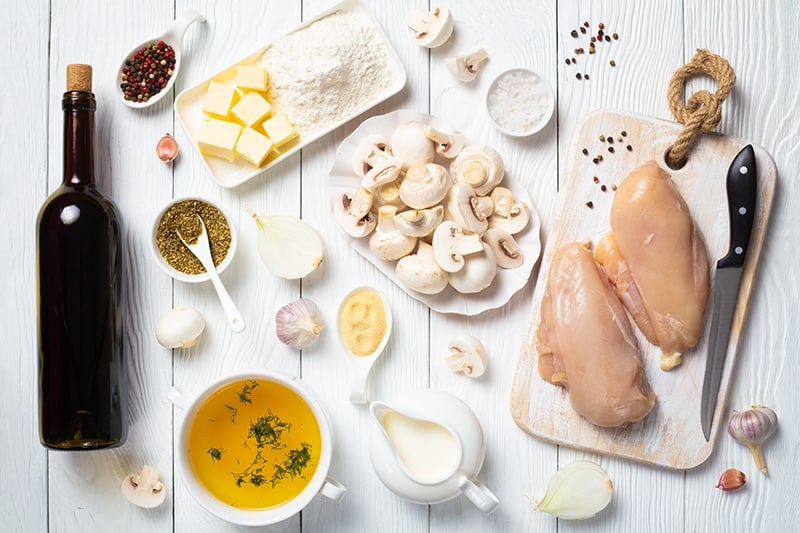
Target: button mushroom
{"x": 180, "y": 328}
{"x": 420, "y": 272}
{"x": 467, "y": 355}
{"x": 478, "y": 166}
{"x": 352, "y": 212}
{"x": 509, "y": 215}
{"x": 371, "y": 150}
{"x": 469, "y": 211}
{"x": 411, "y": 146}
{"x": 431, "y": 28}
{"x": 447, "y": 145}
{"x": 424, "y": 185}
{"x": 465, "y": 67}
{"x": 387, "y": 194}
{"x": 478, "y": 272}
{"x": 450, "y": 245}
{"x": 386, "y": 241}
{"x": 419, "y": 222}
{"x": 382, "y": 173}
{"x": 144, "y": 489}
{"x": 505, "y": 248}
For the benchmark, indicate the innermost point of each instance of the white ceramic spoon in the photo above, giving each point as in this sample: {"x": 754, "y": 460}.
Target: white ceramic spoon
{"x": 202, "y": 251}
{"x": 360, "y": 365}
{"x": 173, "y": 37}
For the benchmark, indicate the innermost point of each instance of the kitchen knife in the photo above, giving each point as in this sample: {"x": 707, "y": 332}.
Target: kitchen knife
{"x": 742, "y": 187}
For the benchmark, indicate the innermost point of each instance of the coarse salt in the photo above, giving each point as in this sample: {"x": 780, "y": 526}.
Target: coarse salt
{"x": 519, "y": 102}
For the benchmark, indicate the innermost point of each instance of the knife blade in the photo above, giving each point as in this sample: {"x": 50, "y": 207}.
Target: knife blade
{"x": 741, "y": 185}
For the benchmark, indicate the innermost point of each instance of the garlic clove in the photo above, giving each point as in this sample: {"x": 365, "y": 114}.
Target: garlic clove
{"x": 167, "y": 148}
{"x": 299, "y": 323}
{"x": 731, "y": 479}
{"x": 180, "y": 328}
{"x": 752, "y": 427}
{"x": 578, "y": 491}
{"x": 289, "y": 247}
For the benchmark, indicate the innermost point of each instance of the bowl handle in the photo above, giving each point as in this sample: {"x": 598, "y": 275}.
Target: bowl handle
{"x": 479, "y": 494}
{"x": 333, "y": 490}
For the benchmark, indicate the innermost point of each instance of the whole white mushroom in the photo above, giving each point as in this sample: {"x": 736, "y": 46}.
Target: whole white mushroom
{"x": 180, "y": 328}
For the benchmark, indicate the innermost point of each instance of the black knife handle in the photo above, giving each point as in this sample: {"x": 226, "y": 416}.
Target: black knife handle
{"x": 742, "y": 186}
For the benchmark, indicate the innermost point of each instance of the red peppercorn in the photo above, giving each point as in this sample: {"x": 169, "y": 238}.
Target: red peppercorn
{"x": 601, "y": 26}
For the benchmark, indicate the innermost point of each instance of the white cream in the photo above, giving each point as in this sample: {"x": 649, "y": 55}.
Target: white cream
{"x": 428, "y": 450}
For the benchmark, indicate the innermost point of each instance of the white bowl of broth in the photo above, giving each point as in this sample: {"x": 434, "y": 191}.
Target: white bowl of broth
{"x": 255, "y": 447}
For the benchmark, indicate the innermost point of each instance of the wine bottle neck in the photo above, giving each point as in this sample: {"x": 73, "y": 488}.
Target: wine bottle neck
{"x": 79, "y": 107}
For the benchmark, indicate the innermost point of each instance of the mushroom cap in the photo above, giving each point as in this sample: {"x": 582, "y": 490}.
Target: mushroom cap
{"x": 425, "y": 185}
{"x": 478, "y": 273}
{"x": 180, "y": 327}
{"x": 352, "y": 212}
{"x": 419, "y": 222}
{"x": 386, "y": 241}
{"x": 450, "y": 245}
{"x": 467, "y": 209}
{"x": 516, "y": 221}
{"x": 466, "y": 354}
{"x": 431, "y": 28}
{"x": 370, "y": 148}
{"x": 411, "y": 146}
{"x": 505, "y": 248}
{"x": 478, "y": 166}
{"x": 144, "y": 489}
{"x": 447, "y": 145}
{"x": 420, "y": 272}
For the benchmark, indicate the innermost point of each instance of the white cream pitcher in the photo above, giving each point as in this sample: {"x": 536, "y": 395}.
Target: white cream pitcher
{"x": 428, "y": 447}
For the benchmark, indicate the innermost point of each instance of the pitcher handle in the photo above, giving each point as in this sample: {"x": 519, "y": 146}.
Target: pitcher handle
{"x": 333, "y": 490}
{"x": 479, "y": 494}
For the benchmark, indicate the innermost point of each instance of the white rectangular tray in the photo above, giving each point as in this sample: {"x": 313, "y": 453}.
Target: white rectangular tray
{"x": 188, "y": 104}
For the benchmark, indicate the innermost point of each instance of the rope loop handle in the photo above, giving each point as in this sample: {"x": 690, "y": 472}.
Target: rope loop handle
{"x": 703, "y": 110}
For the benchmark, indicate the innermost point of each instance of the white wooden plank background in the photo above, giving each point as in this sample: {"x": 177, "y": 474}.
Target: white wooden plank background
{"x": 79, "y": 492}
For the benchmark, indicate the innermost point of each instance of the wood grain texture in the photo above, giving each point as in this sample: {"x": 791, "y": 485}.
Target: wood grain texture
{"x": 79, "y": 492}
{"x": 670, "y": 436}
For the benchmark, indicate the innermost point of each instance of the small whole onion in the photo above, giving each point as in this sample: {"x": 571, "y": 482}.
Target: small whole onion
{"x": 299, "y": 323}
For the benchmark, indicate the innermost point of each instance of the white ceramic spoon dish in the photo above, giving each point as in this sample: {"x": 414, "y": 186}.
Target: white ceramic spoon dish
{"x": 173, "y": 36}
{"x": 360, "y": 365}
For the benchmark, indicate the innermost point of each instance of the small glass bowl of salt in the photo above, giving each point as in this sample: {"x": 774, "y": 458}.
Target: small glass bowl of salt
{"x": 520, "y": 102}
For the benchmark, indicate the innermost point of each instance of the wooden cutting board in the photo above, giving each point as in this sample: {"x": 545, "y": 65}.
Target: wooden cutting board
{"x": 670, "y": 436}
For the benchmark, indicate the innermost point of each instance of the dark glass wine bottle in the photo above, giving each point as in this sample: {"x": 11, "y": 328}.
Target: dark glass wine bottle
{"x": 82, "y": 374}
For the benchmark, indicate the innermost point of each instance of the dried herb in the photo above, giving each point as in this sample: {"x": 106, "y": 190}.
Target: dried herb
{"x": 296, "y": 461}
{"x": 267, "y": 431}
{"x": 182, "y": 217}
{"x": 247, "y": 391}
{"x": 215, "y": 453}
{"x": 233, "y": 411}
{"x": 253, "y": 473}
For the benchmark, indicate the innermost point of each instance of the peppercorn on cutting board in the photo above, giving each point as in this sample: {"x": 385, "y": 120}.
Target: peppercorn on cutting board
{"x": 670, "y": 436}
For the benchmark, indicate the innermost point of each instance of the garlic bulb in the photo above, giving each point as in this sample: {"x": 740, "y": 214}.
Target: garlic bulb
{"x": 752, "y": 427}
{"x": 579, "y": 490}
{"x": 731, "y": 479}
{"x": 299, "y": 323}
{"x": 288, "y": 246}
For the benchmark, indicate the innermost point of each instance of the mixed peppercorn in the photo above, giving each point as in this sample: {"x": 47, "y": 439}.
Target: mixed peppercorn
{"x": 608, "y": 142}
{"x": 147, "y": 71}
{"x": 600, "y": 37}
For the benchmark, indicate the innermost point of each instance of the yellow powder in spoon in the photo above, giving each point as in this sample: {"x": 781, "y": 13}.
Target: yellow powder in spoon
{"x": 362, "y": 322}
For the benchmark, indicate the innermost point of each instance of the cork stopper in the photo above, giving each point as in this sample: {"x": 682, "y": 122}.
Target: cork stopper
{"x": 79, "y": 77}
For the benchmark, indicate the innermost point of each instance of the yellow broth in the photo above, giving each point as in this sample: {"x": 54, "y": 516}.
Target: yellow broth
{"x": 254, "y": 444}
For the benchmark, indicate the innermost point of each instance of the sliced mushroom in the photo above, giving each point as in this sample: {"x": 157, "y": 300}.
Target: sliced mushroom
{"x": 478, "y": 273}
{"x": 431, "y": 28}
{"x": 386, "y": 241}
{"x": 505, "y": 248}
{"x": 450, "y": 245}
{"x": 466, "y": 354}
{"x": 509, "y": 215}
{"x": 411, "y": 146}
{"x": 420, "y": 272}
{"x": 387, "y": 194}
{"x": 383, "y": 172}
{"x": 372, "y": 150}
{"x": 478, "y": 166}
{"x": 424, "y": 185}
{"x": 447, "y": 145}
{"x": 465, "y": 67}
{"x": 352, "y": 212}
{"x": 469, "y": 211}
{"x": 419, "y": 222}
{"x": 144, "y": 489}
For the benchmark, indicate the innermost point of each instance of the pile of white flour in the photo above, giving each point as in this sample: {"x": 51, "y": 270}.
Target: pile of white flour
{"x": 327, "y": 70}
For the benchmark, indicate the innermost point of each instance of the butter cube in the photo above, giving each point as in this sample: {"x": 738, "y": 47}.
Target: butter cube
{"x": 219, "y": 99}
{"x": 253, "y": 146}
{"x": 251, "y": 109}
{"x": 279, "y": 129}
{"x": 218, "y": 138}
{"x": 251, "y": 77}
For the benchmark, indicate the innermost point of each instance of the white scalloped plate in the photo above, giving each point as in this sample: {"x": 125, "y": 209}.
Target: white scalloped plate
{"x": 508, "y": 281}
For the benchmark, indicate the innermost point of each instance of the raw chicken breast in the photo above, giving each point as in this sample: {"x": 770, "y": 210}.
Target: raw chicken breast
{"x": 586, "y": 343}
{"x": 657, "y": 260}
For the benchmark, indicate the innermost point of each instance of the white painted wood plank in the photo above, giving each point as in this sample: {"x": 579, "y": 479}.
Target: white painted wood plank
{"x": 758, "y": 41}
{"x": 84, "y": 488}
{"x": 23, "y": 148}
